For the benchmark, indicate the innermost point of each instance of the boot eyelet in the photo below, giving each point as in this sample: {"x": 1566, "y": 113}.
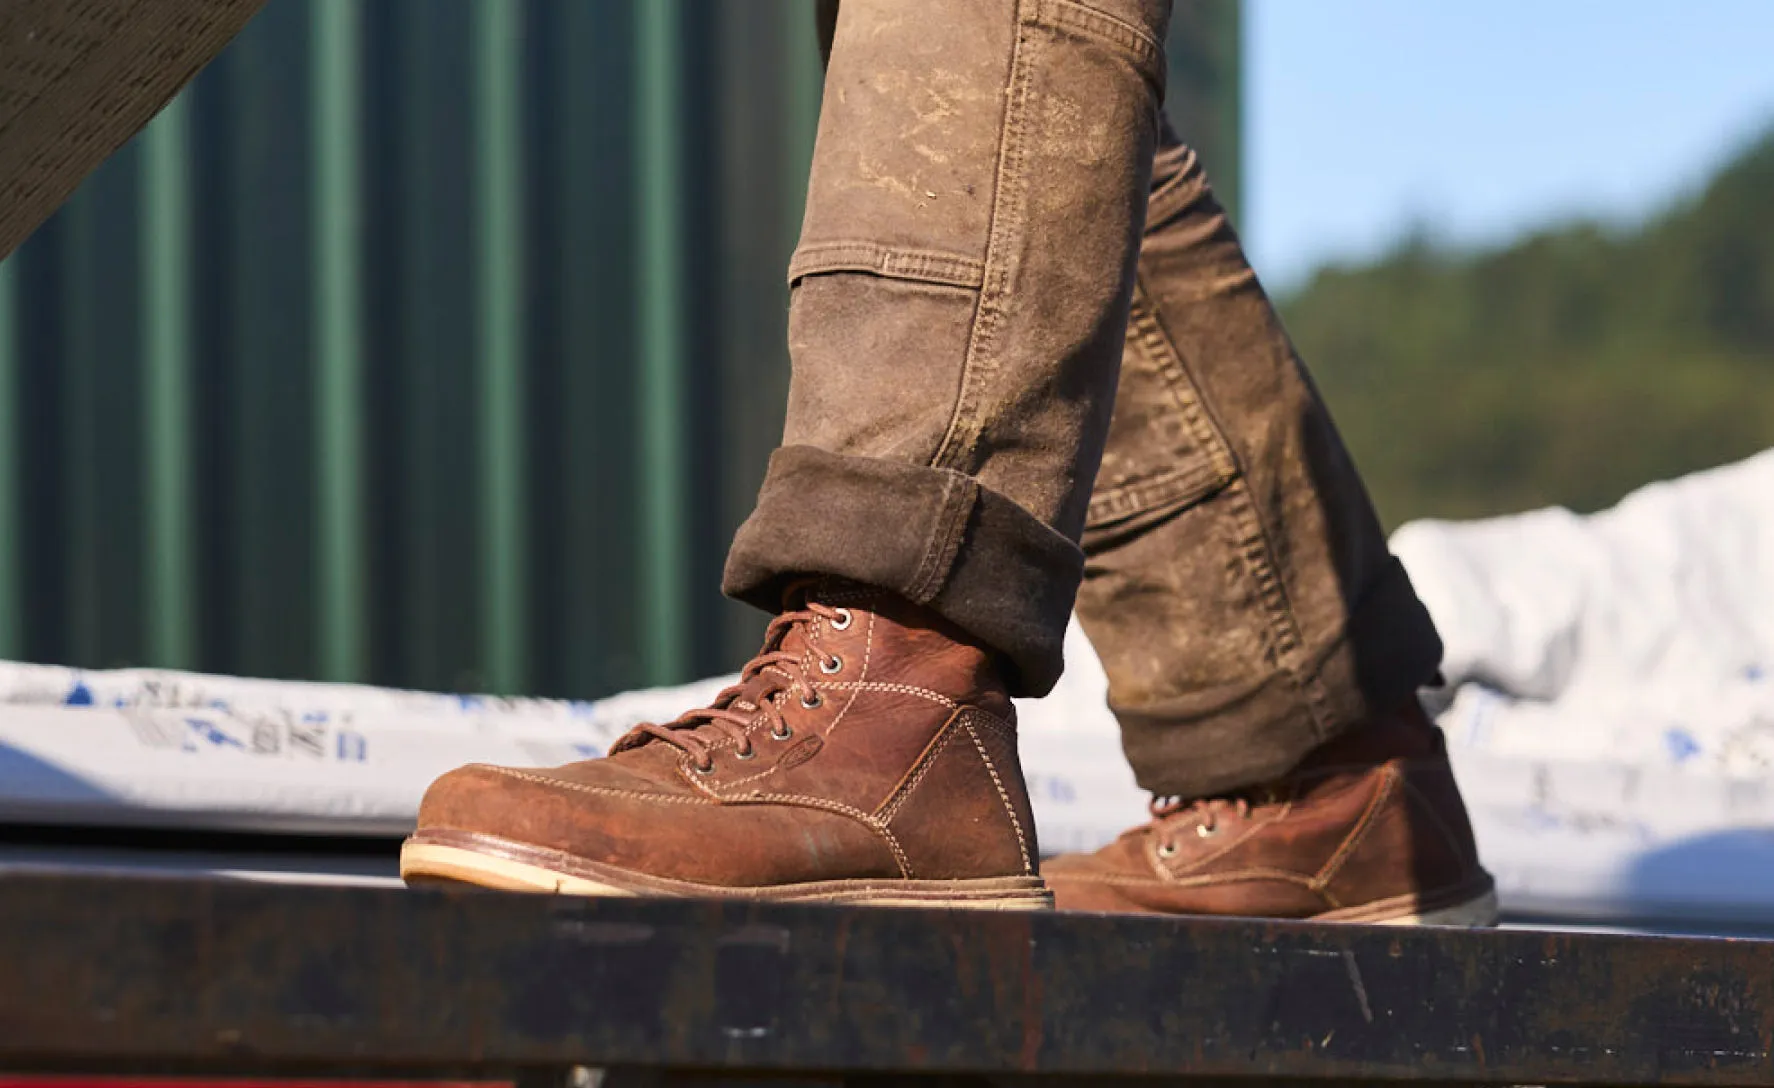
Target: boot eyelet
{"x": 832, "y": 665}
{"x": 700, "y": 769}
{"x": 812, "y": 700}
{"x": 786, "y": 733}
{"x": 843, "y": 620}
{"x": 749, "y": 753}
{"x": 1207, "y": 832}
{"x": 1167, "y": 850}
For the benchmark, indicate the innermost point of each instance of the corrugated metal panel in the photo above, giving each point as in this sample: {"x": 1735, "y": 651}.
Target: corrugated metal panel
{"x": 427, "y": 342}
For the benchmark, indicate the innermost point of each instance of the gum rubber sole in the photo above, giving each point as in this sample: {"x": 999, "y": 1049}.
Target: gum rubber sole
{"x": 1472, "y": 905}
{"x": 488, "y": 862}
{"x": 1479, "y": 913}
{"x": 1473, "y": 909}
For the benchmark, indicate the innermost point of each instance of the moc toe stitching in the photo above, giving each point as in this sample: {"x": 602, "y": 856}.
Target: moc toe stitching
{"x": 840, "y": 808}
{"x": 586, "y": 787}
{"x": 493, "y": 822}
{"x": 1244, "y": 876}
{"x": 805, "y": 799}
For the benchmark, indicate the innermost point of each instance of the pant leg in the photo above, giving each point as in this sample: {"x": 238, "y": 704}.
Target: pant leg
{"x": 1238, "y": 584}
{"x": 959, "y": 301}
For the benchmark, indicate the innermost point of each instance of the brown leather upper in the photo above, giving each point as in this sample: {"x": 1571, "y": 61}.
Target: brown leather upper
{"x": 870, "y": 739}
{"x": 1374, "y": 815}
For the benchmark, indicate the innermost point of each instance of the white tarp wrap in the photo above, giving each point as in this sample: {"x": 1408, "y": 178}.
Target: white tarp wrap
{"x": 160, "y": 747}
{"x": 1612, "y": 717}
{"x": 1644, "y": 634}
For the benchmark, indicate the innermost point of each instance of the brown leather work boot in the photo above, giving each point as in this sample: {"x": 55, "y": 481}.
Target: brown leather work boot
{"x": 1370, "y": 828}
{"x": 867, "y": 755}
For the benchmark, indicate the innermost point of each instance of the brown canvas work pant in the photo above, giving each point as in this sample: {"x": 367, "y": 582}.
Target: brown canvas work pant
{"x": 1033, "y": 371}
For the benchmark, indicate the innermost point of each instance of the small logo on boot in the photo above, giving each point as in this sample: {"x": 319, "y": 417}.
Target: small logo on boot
{"x": 800, "y": 753}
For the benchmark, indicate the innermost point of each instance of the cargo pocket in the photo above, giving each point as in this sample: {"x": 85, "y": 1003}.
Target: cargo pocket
{"x": 877, "y": 336}
{"x": 1164, "y": 452}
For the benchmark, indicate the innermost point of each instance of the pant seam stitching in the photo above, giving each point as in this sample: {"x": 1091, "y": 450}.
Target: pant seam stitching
{"x": 1176, "y": 194}
{"x": 1253, "y": 550}
{"x": 1218, "y": 469}
{"x": 1137, "y": 496}
{"x": 959, "y": 493}
{"x": 1167, "y": 360}
{"x": 1069, "y": 15}
{"x": 1006, "y": 225}
{"x": 893, "y": 262}
{"x": 1252, "y": 545}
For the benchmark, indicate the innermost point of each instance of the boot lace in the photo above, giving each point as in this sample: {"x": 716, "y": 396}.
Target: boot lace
{"x": 763, "y": 688}
{"x": 1203, "y": 813}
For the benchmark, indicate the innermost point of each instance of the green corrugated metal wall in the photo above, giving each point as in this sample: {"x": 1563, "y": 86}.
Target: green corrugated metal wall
{"x": 429, "y": 342}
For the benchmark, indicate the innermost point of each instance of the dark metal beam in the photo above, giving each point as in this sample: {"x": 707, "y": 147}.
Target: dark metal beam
{"x": 106, "y": 973}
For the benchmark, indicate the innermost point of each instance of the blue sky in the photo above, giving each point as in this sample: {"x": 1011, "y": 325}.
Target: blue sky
{"x": 1481, "y": 119}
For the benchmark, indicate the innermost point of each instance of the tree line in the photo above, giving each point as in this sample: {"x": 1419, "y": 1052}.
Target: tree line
{"x": 1565, "y": 368}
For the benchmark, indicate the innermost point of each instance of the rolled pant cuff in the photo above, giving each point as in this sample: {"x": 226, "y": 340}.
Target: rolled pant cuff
{"x": 932, "y": 535}
{"x": 1215, "y": 742}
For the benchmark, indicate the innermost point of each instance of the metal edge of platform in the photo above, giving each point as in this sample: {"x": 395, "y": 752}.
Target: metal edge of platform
{"x": 218, "y": 976}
